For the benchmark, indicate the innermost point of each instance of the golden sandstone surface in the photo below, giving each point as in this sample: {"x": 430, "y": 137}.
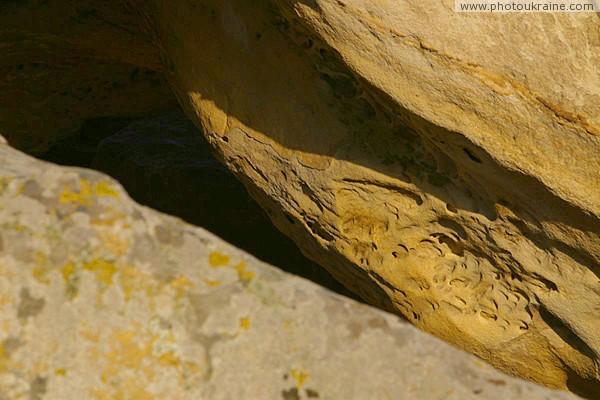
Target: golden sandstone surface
{"x": 444, "y": 166}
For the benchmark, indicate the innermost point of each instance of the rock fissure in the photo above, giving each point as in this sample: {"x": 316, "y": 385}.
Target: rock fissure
{"x": 462, "y": 195}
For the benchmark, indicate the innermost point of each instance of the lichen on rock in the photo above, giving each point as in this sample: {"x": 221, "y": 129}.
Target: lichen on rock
{"x": 437, "y": 164}
{"x": 440, "y": 165}
{"x": 102, "y": 298}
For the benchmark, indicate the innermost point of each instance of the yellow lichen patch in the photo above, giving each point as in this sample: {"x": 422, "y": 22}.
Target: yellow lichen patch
{"x": 133, "y": 280}
{"x": 6, "y": 362}
{"x": 39, "y": 273}
{"x": 129, "y": 389}
{"x": 42, "y": 269}
{"x": 169, "y": 359}
{"x": 136, "y": 390}
{"x": 140, "y": 353}
{"x": 82, "y": 197}
{"x": 4, "y": 181}
{"x": 15, "y": 225}
{"x": 165, "y": 349}
{"x": 126, "y": 352}
{"x": 188, "y": 370}
{"x": 182, "y": 286}
{"x": 104, "y": 189}
{"x": 299, "y": 376}
{"x": 217, "y": 259}
{"x": 245, "y": 323}
{"x": 40, "y": 258}
{"x": 243, "y": 274}
{"x": 85, "y": 332}
{"x": 110, "y": 219}
{"x": 104, "y": 270}
{"x": 212, "y": 283}
{"x": 68, "y": 273}
{"x": 116, "y": 245}
{"x": 6, "y": 299}
{"x": 130, "y": 279}
{"x": 60, "y": 371}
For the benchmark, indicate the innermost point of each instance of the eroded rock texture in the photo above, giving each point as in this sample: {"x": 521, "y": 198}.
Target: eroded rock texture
{"x": 64, "y": 61}
{"x": 104, "y": 299}
{"x": 444, "y": 166}
{"x": 165, "y": 163}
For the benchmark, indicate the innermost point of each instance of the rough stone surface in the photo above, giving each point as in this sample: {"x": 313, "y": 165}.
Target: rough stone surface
{"x": 64, "y": 61}
{"x": 444, "y": 166}
{"x": 165, "y": 163}
{"x": 104, "y": 299}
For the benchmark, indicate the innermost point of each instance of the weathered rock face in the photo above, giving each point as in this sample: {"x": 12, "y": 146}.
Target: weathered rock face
{"x": 438, "y": 164}
{"x": 105, "y": 299}
{"x": 64, "y": 61}
{"x": 441, "y": 165}
{"x": 165, "y": 163}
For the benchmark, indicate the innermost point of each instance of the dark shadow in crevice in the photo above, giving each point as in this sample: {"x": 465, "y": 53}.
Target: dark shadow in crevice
{"x": 586, "y": 388}
{"x": 165, "y": 163}
{"x": 565, "y": 333}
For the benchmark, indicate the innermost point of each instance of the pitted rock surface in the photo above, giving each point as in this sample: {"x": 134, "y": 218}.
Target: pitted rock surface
{"x": 103, "y": 298}
{"x": 438, "y": 164}
{"x": 443, "y": 166}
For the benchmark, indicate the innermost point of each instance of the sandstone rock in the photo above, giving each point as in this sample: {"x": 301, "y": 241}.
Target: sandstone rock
{"x": 64, "y": 61}
{"x": 165, "y": 163}
{"x": 106, "y": 299}
{"x": 444, "y": 166}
